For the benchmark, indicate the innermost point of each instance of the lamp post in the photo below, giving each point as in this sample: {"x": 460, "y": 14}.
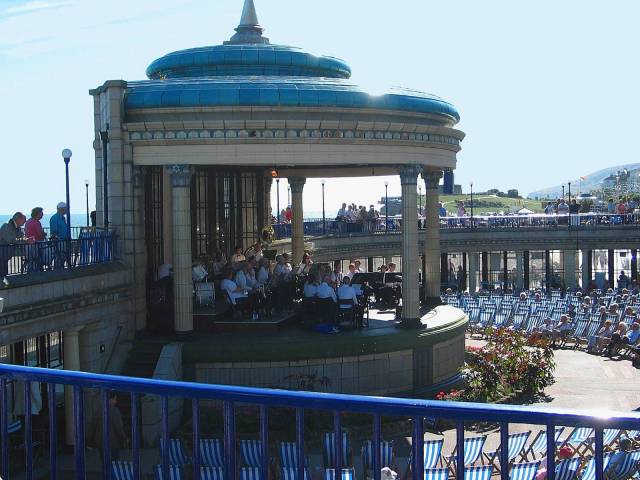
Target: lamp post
{"x": 278, "y": 199}
{"x": 471, "y": 187}
{"x": 563, "y": 192}
{"x": 419, "y": 204}
{"x": 86, "y": 187}
{"x": 386, "y": 206}
{"x": 324, "y": 220}
{"x": 569, "y": 184}
{"x": 66, "y": 155}
{"x": 288, "y": 196}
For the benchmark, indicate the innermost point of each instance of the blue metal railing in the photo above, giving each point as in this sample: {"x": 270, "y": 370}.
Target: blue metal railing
{"x": 318, "y": 227}
{"x": 416, "y": 410}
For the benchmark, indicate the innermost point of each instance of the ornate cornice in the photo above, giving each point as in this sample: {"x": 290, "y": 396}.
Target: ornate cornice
{"x": 409, "y": 174}
{"x": 431, "y": 179}
{"x": 297, "y": 184}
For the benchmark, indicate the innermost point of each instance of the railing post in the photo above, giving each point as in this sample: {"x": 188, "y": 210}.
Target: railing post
{"x": 164, "y": 407}
{"x": 264, "y": 440}
{"x": 418, "y": 448}
{"x": 300, "y": 442}
{"x": 4, "y": 432}
{"x": 504, "y": 451}
{"x": 551, "y": 451}
{"x": 337, "y": 444}
{"x": 599, "y": 453}
{"x": 135, "y": 434}
{"x": 229, "y": 441}
{"x": 53, "y": 431}
{"x": 376, "y": 446}
{"x": 78, "y": 413}
{"x": 460, "y": 450}
{"x": 106, "y": 435}
{"x": 195, "y": 404}
{"x": 28, "y": 426}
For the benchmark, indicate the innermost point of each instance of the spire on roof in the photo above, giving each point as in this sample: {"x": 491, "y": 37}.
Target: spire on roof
{"x": 249, "y": 31}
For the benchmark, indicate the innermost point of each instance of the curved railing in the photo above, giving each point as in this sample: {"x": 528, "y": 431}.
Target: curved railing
{"x": 201, "y": 395}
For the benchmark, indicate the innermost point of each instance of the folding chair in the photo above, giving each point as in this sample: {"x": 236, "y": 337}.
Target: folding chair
{"x": 211, "y": 452}
{"x": 347, "y": 474}
{"x": 251, "y": 453}
{"x": 288, "y": 452}
{"x": 211, "y": 473}
{"x": 628, "y": 467}
{"x": 386, "y": 455}
{"x": 121, "y": 470}
{"x": 177, "y": 455}
{"x": 524, "y": 471}
{"x": 175, "y": 472}
{"x": 482, "y": 472}
{"x": 539, "y": 445}
{"x": 436, "y": 473}
{"x": 472, "y": 451}
{"x": 289, "y": 473}
{"x": 250, "y": 473}
{"x": 431, "y": 456}
{"x": 589, "y": 470}
{"x": 515, "y": 448}
{"x": 578, "y": 438}
{"x": 328, "y": 450}
{"x": 568, "y": 469}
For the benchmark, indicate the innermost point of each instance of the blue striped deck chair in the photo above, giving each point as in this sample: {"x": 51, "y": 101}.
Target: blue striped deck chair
{"x": 288, "y": 452}
{"x": 482, "y": 472}
{"x": 290, "y": 473}
{"x": 211, "y": 473}
{"x": 593, "y": 328}
{"x": 614, "y": 318}
{"x": 328, "y": 450}
{"x": 538, "y": 447}
{"x": 578, "y": 438}
{"x": 519, "y": 318}
{"x": 436, "y": 473}
{"x": 500, "y": 319}
{"x": 568, "y": 469}
{"x": 589, "y": 470}
{"x": 251, "y": 452}
{"x": 579, "y": 331}
{"x": 535, "y": 321}
{"x": 609, "y": 437}
{"x": 250, "y": 473}
{"x": 524, "y": 471}
{"x": 629, "y": 320}
{"x": 472, "y": 451}
{"x": 386, "y": 455}
{"x": 515, "y": 448}
{"x": 627, "y": 468}
{"x": 121, "y": 470}
{"x": 474, "y": 314}
{"x": 177, "y": 455}
{"x": 432, "y": 451}
{"x": 347, "y": 474}
{"x": 175, "y": 472}
{"x": 486, "y": 317}
{"x": 211, "y": 452}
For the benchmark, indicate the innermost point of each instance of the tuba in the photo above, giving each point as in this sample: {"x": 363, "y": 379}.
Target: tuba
{"x": 267, "y": 235}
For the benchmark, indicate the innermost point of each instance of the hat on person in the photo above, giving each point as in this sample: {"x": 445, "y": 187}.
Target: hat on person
{"x": 565, "y": 452}
{"x": 61, "y": 205}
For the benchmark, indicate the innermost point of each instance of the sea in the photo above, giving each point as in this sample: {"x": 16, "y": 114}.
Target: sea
{"x": 77, "y": 219}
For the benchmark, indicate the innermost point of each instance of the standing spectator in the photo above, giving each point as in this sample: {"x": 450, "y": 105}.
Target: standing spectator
{"x": 461, "y": 210}
{"x": 288, "y": 215}
{"x": 442, "y": 212}
{"x": 563, "y": 208}
{"x": 58, "y": 223}
{"x": 342, "y": 213}
{"x": 611, "y": 206}
{"x": 622, "y": 207}
{"x": 10, "y": 232}
{"x": 33, "y": 228}
{"x": 549, "y": 210}
{"x": 372, "y": 218}
{"x": 574, "y": 208}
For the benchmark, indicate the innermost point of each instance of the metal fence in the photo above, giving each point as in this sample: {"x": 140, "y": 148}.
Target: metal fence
{"x": 318, "y": 227}
{"x": 233, "y": 398}
{"x": 90, "y": 248}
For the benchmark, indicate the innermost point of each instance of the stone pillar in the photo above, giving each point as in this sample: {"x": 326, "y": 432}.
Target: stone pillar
{"x": 410, "y": 287}
{"x": 268, "y": 182}
{"x": 570, "y": 263}
{"x": 586, "y": 268}
{"x": 297, "y": 226}
{"x": 182, "y": 257}
{"x": 140, "y": 250}
{"x": 473, "y": 272}
{"x": 71, "y": 338}
{"x": 431, "y": 238}
{"x": 519, "y": 280}
{"x": 611, "y": 263}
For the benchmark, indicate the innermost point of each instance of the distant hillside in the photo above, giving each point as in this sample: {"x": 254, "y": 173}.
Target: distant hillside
{"x": 593, "y": 181}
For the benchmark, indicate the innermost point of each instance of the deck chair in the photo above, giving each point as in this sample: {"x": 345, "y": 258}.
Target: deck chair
{"x": 211, "y": 452}
{"x": 436, "y": 473}
{"x": 177, "y": 454}
{"x": 431, "y": 456}
{"x": 288, "y": 452}
{"x": 289, "y": 473}
{"x": 589, "y": 470}
{"x": 121, "y": 470}
{"x": 347, "y": 474}
{"x": 579, "y": 332}
{"x": 578, "y": 438}
{"x": 568, "y": 469}
{"x": 515, "y": 448}
{"x": 500, "y": 319}
{"x": 628, "y": 467}
{"x": 524, "y": 471}
{"x": 328, "y": 450}
{"x": 472, "y": 452}
{"x": 386, "y": 455}
{"x": 482, "y": 472}
{"x": 175, "y": 472}
{"x": 250, "y": 473}
{"x": 211, "y": 473}
{"x": 251, "y": 452}
{"x": 538, "y": 447}
{"x": 519, "y": 318}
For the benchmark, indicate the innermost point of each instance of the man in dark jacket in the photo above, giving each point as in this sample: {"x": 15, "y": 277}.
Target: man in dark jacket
{"x": 117, "y": 438}
{"x": 10, "y": 233}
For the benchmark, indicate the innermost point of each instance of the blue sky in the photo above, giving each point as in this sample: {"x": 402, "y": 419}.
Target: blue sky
{"x": 547, "y": 90}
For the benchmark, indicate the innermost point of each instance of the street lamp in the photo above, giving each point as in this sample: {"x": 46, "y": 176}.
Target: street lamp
{"x": 86, "y": 187}
{"x": 562, "y": 192}
{"x": 471, "y": 186}
{"x": 324, "y": 221}
{"x": 288, "y": 196}
{"x": 419, "y": 204}
{"x": 66, "y": 155}
{"x": 278, "y": 199}
{"x": 569, "y": 184}
{"x": 386, "y": 206}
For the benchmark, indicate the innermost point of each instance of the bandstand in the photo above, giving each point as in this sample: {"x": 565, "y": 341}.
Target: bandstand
{"x": 185, "y": 161}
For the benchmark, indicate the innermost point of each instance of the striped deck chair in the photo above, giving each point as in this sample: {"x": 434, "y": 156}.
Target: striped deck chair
{"x": 250, "y": 473}
{"x": 609, "y": 437}
{"x": 347, "y": 474}
{"x": 474, "y": 315}
{"x": 211, "y": 473}
{"x": 177, "y": 454}
{"x": 251, "y": 452}
{"x": 519, "y": 319}
{"x": 288, "y": 452}
{"x": 535, "y": 321}
{"x": 515, "y": 448}
{"x": 589, "y": 470}
{"x": 175, "y": 472}
{"x": 568, "y": 469}
{"x": 578, "y": 438}
{"x": 386, "y": 455}
{"x": 121, "y": 470}
{"x": 524, "y": 471}
{"x": 500, "y": 319}
{"x": 431, "y": 456}
{"x": 289, "y": 473}
{"x": 211, "y": 452}
{"x": 436, "y": 474}
{"x": 472, "y": 451}
{"x": 629, "y": 320}
{"x": 538, "y": 447}
{"x": 482, "y": 472}
{"x": 628, "y": 467}
{"x": 579, "y": 331}
{"x": 328, "y": 450}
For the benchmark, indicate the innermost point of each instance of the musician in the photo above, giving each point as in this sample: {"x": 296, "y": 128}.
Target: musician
{"x": 336, "y": 274}
{"x": 351, "y": 272}
{"x": 237, "y": 295}
{"x": 326, "y": 291}
{"x": 305, "y": 265}
{"x": 282, "y": 270}
{"x": 199, "y": 271}
{"x": 264, "y": 275}
{"x": 238, "y": 256}
{"x": 217, "y": 266}
{"x": 311, "y": 287}
{"x": 245, "y": 278}
{"x": 347, "y": 292}
{"x": 257, "y": 248}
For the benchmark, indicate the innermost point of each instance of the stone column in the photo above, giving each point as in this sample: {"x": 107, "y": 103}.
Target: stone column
{"x": 268, "y": 182}
{"x": 519, "y": 280}
{"x": 297, "y": 226}
{"x": 431, "y": 238}
{"x": 182, "y": 258}
{"x": 570, "y": 262}
{"x": 71, "y": 338}
{"x": 140, "y": 250}
{"x": 410, "y": 287}
{"x": 473, "y": 272}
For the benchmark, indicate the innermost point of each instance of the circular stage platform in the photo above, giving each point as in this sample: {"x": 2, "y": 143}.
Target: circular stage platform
{"x": 379, "y": 360}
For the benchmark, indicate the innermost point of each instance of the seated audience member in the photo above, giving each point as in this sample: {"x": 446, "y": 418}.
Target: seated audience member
{"x": 238, "y": 256}
{"x": 622, "y": 337}
{"x": 601, "y": 339}
{"x": 562, "y": 329}
{"x": 563, "y": 454}
{"x": 237, "y": 295}
{"x": 615, "y": 467}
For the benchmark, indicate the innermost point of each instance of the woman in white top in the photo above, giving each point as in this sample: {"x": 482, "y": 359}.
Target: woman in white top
{"x": 461, "y": 210}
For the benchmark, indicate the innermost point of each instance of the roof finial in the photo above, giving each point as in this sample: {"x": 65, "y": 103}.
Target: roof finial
{"x": 249, "y": 31}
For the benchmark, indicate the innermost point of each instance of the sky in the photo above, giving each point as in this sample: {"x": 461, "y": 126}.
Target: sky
{"x": 547, "y": 90}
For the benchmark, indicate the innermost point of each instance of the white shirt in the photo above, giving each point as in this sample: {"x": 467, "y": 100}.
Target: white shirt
{"x": 325, "y": 291}
{"x": 258, "y": 256}
{"x": 230, "y": 287}
{"x": 310, "y": 290}
{"x": 347, "y": 292}
{"x": 237, "y": 257}
{"x": 336, "y": 277}
{"x": 350, "y": 274}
